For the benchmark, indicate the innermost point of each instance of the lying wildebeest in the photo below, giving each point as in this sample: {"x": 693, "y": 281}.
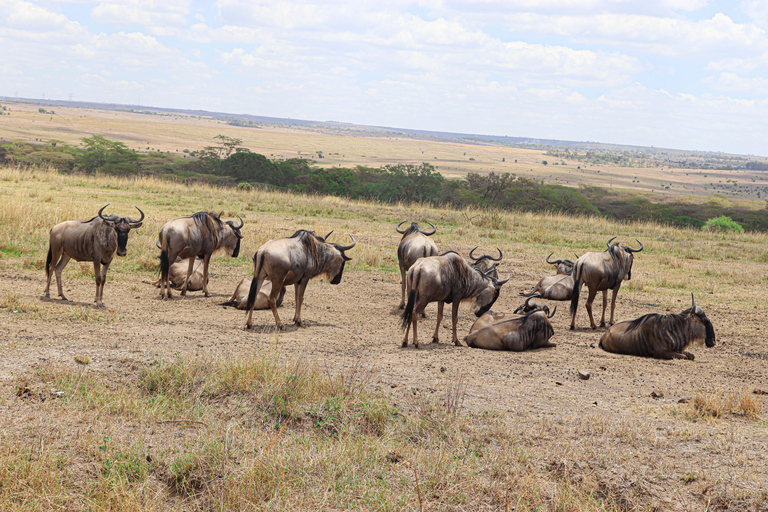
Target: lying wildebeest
{"x": 490, "y": 318}
{"x": 483, "y": 262}
{"x": 415, "y": 244}
{"x": 239, "y": 297}
{"x": 177, "y": 275}
{"x": 446, "y": 279}
{"x": 532, "y": 330}
{"x": 200, "y": 235}
{"x": 295, "y": 260}
{"x": 94, "y": 240}
{"x": 557, "y": 287}
{"x": 601, "y": 271}
{"x": 660, "y": 336}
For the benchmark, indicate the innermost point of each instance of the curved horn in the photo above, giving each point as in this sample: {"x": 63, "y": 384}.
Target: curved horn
{"x": 343, "y": 248}
{"x": 693, "y": 301}
{"x": 401, "y": 231}
{"x": 112, "y": 218}
{"x": 242, "y": 223}
{"x": 157, "y": 244}
{"x": 611, "y": 240}
{"x": 501, "y": 255}
{"x": 434, "y": 230}
{"x": 630, "y": 249}
{"x": 553, "y": 312}
{"x": 220, "y": 214}
{"x": 326, "y": 236}
{"x": 527, "y": 301}
{"x": 556, "y": 262}
{"x": 499, "y": 283}
{"x": 131, "y": 221}
{"x": 470, "y": 254}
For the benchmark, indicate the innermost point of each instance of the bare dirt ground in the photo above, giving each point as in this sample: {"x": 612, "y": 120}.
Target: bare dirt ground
{"x": 610, "y": 427}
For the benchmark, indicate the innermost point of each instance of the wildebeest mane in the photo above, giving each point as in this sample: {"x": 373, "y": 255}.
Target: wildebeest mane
{"x": 673, "y": 322}
{"x": 207, "y": 223}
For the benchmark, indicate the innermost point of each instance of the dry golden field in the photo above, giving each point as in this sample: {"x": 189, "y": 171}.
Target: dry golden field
{"x": 347, "y": 148}
{"x": 172, "y": 405}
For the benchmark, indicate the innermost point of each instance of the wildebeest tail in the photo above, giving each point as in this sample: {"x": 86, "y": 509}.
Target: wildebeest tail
{"x": 165, "y": 265}
{"x": 576, "y": 288}
{"x": 408, "y": 311}
{"x": 48, "y": 261}
{"x": 255, "y": 282}
{"x": 535, "y": 295}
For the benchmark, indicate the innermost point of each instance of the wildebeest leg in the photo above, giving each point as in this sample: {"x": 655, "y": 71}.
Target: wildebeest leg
{"x": 49, "y": 270}
{"x": 590, "y": 300}
{"x": 402, "y": 288}
{"x": 435, "y": 336}
{"x": 605, "y": 303}
{"x": 59, "y": 267}
{"x": 613, "y": 301}
{"x": 454, "y": 319}
{"x": 670, "y": 354}
{"x": 299, "y": 288}
{"x": 206, "y": 262}
{"x": 189, "y": 273}
{"x": 100, "y": 285}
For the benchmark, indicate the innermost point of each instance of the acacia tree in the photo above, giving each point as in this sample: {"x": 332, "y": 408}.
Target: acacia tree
{"x": 104, "y": 155}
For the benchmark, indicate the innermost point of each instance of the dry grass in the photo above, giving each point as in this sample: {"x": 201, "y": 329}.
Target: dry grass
{"x": 720, "y": 402}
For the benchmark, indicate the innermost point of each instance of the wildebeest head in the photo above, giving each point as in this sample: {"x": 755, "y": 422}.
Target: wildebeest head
{"x": 231, "y": 236}
{"x": 483, "y": 262}
{"x": 339, "y": 259}
{"x": 530, "y": 306}
{"x": 122, "y": 226}
{"x": 563, "y": 266}
{"x": 624, "y": 253}
{"x": 701, "y": 326}
{"x": 488, "y": 296}
{"x": 414, "y": 228}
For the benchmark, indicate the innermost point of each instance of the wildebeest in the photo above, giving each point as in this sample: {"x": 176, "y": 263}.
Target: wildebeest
{"x": 532, "y": 330}
{"x": 601, "y": 271}
{"x": 446, "y": 279}
{"x": 199, "y": 235}
{"x": 661, "y": 336}
{"x": 94, "y": 240}
{"x": 239, "y": 297}
{"x": 557, "y": 287}
{"x": 177, "y": 275}
{"x": 483, "y": 262}
{"x": 490, "y": 318}
{"x": 413, "y": 245}
{"x": 295, "y": 260}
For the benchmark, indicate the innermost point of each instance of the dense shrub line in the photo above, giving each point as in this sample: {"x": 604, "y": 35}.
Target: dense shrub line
{"x": 228, "y": 164}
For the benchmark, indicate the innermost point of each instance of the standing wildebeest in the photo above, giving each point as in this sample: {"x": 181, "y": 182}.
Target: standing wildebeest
{"x": 601, "y": 271}
{"x": 532, "y": 330}
{"x": 660, "y": 336}
{"x": 415, "y": 244}
{"x": 295, "y": 261}
{"x": 239, "y": 297}
{"x": 483, "y": 262}
{"x": 448, "y": 279}
{"x": 200, "y": 235}
{"x": 93, "y": 240}
{"x": 557, "y": 287}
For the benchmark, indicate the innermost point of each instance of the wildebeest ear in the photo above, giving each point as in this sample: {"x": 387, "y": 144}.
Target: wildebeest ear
{"x": 346, "y": 258}
{"x": 136, "y": 225}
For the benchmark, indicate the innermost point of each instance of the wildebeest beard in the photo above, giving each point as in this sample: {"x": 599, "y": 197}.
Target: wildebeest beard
{"x": 237, "y": 249}
{"x": 480, "y": 312}
{"x": 337, "y": 279}
{"x": 122, "y": 242}
{"x": 710, "y": 340}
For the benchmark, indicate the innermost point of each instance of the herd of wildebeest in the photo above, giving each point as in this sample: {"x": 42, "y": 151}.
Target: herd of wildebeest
{"x": 186, "y": 244}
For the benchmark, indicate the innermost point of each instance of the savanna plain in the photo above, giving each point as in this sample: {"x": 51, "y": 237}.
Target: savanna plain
{"x": 173, "y": 405}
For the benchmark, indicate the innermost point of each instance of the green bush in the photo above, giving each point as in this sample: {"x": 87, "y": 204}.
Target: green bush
{"x": 723, "y": 224}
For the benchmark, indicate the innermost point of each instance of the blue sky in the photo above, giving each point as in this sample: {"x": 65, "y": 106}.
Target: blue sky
{"x": 688, "y": 74}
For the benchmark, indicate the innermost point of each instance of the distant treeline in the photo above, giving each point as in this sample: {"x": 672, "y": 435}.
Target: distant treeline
{"x": 228, "y": 164}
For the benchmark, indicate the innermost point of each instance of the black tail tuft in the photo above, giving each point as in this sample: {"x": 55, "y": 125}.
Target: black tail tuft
{"x": 165, "y": 265}
{"x": 408, "y": 312}
{"x": 575, "y": 296}
{"x": 229, "y": 303}
{"x": 255, "y": 282}
{"x": 48, "y": 262}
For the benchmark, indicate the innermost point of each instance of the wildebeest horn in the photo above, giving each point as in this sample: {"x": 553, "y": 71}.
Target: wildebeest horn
{"x": 470, "y": 254}
{"x": 501, "y": 255}
{"x": 556, "y": 262}
{"x": 326, "y": 236}
{"x": 157, "y": 244}
{"x": 611, "y": 240}
{"x": 547, "y": 312}
{"x": 113, "y": 218}
{"x": 693, "y": 301}
{"x": 401, "y": 231}
{"x": 131, "y": 221}
{"x": 630, "y": 249}
{"x": 527, "y": 302}
{"x": 499, "y": 283}
{"x": 568, "y": 262}
{"x": 434, "y": 230}
{"x": 220, "y": 214}
{"x": 343, "y": 248}
{"x": 242, "y": 223}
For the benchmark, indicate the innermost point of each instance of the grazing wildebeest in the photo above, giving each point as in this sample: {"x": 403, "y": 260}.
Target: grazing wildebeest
{"x": 295, "y": 260}
{"x": 661, "y": 336}
{"x": 200, "y": 235}
{"x": 415, "y": 244}
{"x": 532, "y": 330}
{"x": 446, "y": 279}
{"x": 601, "y": 271}
{"x": 94, "y": 240}
{"x": 490, "y": 318}
{"x": 483, "y": 262}
{"x": 239, "y": 297}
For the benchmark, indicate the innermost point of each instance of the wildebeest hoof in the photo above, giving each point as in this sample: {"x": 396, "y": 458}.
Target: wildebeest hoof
{"x": 435, "y": 340}
{"x": 688, "y": 355}
{"x": 457, "y": 343}
{"x": 47, "y": 295}
{"x": 404, "y": 344}
{"x": 416, "y": 346}
{"x": 101, "y": 305}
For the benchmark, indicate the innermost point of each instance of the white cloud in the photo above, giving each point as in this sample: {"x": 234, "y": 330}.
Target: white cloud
{"x": 143, "y": 12}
